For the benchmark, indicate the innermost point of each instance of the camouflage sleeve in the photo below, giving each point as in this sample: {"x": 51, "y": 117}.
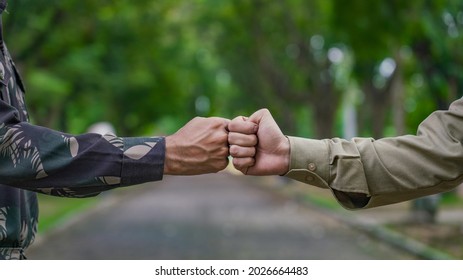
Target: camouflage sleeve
{"x": 47, "y": 161}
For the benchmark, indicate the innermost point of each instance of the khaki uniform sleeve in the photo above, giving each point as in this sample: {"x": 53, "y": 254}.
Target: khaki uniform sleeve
{"x": 365, "y": 173}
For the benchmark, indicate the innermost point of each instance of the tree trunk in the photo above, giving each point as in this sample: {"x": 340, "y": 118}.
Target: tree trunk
{"x": 398, "y": 95}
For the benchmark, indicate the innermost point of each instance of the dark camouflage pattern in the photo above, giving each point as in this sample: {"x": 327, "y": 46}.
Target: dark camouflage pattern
{"x": 37, "y": 159}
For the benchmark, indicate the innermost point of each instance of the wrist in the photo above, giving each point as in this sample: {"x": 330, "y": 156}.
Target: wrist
{"x": 170, "y": 161}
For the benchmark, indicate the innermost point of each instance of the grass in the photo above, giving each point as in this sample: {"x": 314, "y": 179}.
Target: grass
{"x": 322, "y": 201}
{"x": 444, "y": 237}
{"x": 451, "y": 199}
{"x": 55, "y": 210}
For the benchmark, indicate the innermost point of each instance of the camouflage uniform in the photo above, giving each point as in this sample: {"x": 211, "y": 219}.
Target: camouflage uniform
{"x": 36, "y": 159}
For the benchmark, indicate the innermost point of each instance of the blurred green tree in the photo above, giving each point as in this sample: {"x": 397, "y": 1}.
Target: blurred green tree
{"x": 153, "y": 65}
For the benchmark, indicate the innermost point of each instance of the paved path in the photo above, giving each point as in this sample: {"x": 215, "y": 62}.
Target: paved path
{"x": 220, "y": 216}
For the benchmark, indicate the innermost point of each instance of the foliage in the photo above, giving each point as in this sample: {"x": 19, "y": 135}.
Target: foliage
{"x": 55, "y": 211}
{"x": 150, "y": 66}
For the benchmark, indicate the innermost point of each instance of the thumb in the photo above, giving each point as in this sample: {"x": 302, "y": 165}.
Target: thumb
{"x": 259, "y": 115}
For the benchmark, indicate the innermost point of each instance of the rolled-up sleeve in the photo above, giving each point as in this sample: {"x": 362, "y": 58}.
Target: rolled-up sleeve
{"x": 365, "y": 172}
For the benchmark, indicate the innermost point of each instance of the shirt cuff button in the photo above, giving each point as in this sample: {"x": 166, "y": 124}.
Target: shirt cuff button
{"x": 309, "y": 178}
{"x": 312, "y": 167}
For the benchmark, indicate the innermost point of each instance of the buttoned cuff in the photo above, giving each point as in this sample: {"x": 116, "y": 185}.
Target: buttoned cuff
{"x": 309, "y": 161}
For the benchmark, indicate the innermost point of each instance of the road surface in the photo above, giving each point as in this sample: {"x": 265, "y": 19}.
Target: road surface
{"x": 219, "y": 216}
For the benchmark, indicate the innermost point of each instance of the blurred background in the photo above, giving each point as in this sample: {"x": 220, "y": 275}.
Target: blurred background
{"x": 324, "y": 68}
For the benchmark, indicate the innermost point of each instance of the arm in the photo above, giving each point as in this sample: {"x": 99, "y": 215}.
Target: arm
{"x": 367, "y": 173}
{"x": 43, "y": 160}
{"x": 55, "y": 163}
{"x": 364, "y": 172}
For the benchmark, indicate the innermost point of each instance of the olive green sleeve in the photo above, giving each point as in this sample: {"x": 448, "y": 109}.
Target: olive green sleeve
{"x": 365, "y": 173}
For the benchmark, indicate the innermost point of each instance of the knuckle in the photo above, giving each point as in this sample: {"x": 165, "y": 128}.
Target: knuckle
{"x": 232, "y": 138}
{"x": 266, "y": 111}
{"x": 233, "y": 125}
{"x": 236, "y": 120}
{"x": 237, "y": 163}
{"x": 234, "y": 150}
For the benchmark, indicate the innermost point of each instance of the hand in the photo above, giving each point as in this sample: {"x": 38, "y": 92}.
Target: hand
{"x": 258, "y": 146}
{"x": 200, "y": 147}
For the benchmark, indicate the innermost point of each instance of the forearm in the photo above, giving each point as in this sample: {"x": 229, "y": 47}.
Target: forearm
{"x": 44, "y": 160}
